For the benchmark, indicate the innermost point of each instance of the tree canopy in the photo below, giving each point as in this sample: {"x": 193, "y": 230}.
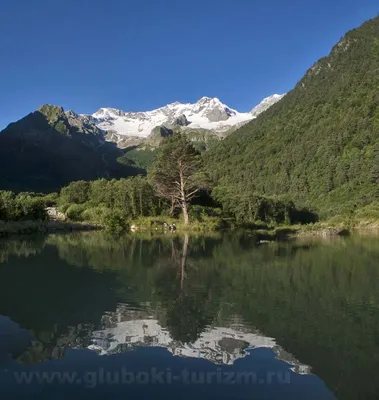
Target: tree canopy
{"x": 177, "y": 173}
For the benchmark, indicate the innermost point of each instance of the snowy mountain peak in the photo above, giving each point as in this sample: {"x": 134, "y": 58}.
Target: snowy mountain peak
{"x": 210, "y": 100}
{"x": 208, "y": 113}
{"x": 108, "y": 112}
{"x": 266, "y": 103}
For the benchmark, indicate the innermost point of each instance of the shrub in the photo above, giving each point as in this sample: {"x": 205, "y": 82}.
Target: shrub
{"x": 200, "y": 213}
{"x": 114, "y": 221}
{"x": 8, "y": 209}
{"x": 50, "y": 199}
{"x": 95, "y": 214}
{"x": 21, "y": 207}
{"x": 75, "y": 211}
{"x": 64, "y": 207}
{"x": 30, "y": 208}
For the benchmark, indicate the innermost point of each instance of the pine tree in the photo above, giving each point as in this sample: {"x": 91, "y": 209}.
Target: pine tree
{"x": 176, "y": 174}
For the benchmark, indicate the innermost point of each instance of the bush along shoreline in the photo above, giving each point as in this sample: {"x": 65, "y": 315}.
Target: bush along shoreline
{"x": 27, "y": 213}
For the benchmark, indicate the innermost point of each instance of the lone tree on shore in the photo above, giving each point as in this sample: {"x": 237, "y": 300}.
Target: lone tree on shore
{"x": 177, "y": 173}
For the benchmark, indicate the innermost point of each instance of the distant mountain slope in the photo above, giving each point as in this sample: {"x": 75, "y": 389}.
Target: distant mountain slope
{"x": 49, "y": 148}
{"x": 320, "y": 143}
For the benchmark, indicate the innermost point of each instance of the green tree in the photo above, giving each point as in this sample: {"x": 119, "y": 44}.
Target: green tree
{"x": 76, "y": 192}
{"x": 8, "y": 209}
{"x": 30, "y": 208}
{"x": 24, "y": 206}
{"x": 99, "y": 192}
{"x": 177, "y": 173}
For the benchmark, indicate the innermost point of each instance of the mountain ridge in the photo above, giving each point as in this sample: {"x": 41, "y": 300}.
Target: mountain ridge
{"x": 48, "y": 149}
{"x": 207, "y": 114}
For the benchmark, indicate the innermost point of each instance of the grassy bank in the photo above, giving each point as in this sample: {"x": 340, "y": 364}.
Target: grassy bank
{"x": 337, "y": 226}
{"x": 360, "y": 220}
{"x": 206, "y": 224}
{"x": 319, "y": 229}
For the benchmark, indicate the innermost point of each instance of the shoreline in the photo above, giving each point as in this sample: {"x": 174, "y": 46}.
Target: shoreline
{"x": 11, "y": 228}
{"x": 14, "y": 228}
{"x": 307, "y": 231}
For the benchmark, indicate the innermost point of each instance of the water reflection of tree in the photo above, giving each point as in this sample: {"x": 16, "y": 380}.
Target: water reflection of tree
{"x": 20, "y": 247}
{"x": 184, "y": 293}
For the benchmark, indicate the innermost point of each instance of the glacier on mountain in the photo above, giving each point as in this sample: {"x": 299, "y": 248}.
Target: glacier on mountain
{"x": 208, "y": 114}
{"x": 265, "y": 104}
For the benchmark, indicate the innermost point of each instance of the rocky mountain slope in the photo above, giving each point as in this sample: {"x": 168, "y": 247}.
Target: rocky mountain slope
{"x": 50, "y": 148}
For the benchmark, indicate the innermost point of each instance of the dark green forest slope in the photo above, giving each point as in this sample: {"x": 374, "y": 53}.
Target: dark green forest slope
{"x": 50, "y": 148}
{"x": 320, "y": 144}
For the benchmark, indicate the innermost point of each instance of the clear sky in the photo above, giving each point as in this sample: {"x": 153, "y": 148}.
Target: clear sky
{"x": 137, "y": 55}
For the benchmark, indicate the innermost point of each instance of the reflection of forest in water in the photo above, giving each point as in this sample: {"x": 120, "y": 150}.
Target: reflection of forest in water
{"x": 319, "y": 300}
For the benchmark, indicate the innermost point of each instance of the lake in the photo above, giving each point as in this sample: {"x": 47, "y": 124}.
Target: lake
{"x": 218, "y": 317}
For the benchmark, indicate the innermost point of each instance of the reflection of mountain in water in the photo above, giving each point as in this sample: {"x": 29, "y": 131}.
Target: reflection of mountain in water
{"x": 126, "y": 329}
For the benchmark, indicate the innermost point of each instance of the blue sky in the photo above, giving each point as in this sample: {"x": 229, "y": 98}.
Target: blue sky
{"x": 142, "y": 54}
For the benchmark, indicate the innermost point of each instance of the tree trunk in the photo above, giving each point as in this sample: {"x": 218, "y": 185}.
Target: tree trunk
{"x": 183, "y": 196}
{"x": 183, "y": 260}
{"x": 172, "y": 209}
{"x": 140, "y": 202}
{"x": 185, "y": 213}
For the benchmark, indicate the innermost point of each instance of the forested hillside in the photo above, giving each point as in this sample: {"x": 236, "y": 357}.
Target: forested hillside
{"x": 319, "y": 145}
{"x": 50, "y": 148}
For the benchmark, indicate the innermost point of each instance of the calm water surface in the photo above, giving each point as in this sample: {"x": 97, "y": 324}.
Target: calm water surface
{"x": 90, "y": 315}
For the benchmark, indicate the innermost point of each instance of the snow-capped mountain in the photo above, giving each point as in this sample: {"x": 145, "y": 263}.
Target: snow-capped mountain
{"x": 206, "y": 114}
{"x": 126, "y": 329}
{"x": 265, "y": 104}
